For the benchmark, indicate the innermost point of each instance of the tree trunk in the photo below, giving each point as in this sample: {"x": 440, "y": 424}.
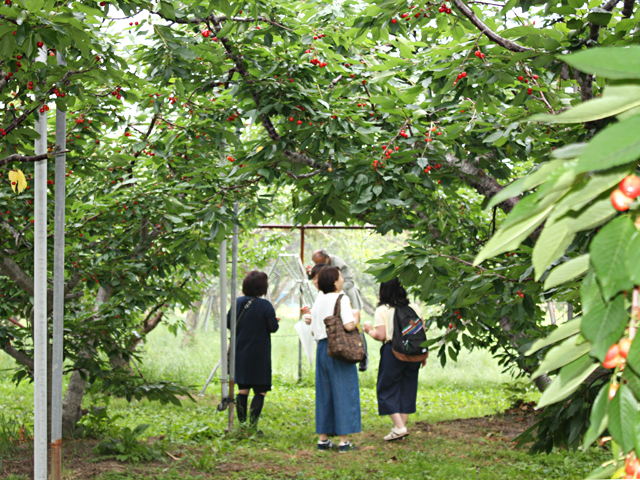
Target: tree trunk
{"x": 193, "y": 318}
{"x": 543, "y": 381}
{"x": 72, "y": 404}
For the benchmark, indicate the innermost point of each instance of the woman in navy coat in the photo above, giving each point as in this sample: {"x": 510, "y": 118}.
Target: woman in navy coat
{"x": 253, "y": 344}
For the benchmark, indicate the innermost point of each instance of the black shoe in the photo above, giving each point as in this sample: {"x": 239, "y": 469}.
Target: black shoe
{"x": 347, "y": 447}
{"x": 328, "y": 445}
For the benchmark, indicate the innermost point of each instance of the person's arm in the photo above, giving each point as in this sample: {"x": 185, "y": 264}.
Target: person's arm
{"x": 346, "y": 314}
{"x": 272, "y": 321}
{"x": 380, "y": 331}
{"x": 349, "y": 279}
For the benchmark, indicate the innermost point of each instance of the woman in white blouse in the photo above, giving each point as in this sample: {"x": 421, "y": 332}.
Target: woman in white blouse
{"x": 337, "y": 389}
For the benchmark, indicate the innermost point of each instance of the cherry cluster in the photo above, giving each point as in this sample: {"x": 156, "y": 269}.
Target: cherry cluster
{"x": 444, "y": 9}
{"x": 479, "y": 54}
{"x": 435, "y": 167}
{"x": 44, "y": 108}
{"x": 131, "y": 23}
{"x": 460, "y": 77}
{"x": 378, "y": 164}
{"x": 616, "y": 357}
{"x": 627, "y": 191}
{"x": 58, "y": 93}
{"x": 116, "y": 93}
{"x": 632, "y": 466}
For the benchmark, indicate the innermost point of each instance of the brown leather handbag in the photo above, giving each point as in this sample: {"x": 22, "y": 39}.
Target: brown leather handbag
{"x": 342, "y": 345}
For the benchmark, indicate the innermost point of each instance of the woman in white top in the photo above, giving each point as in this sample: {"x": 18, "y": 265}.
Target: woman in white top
{"x": 397, "y": 386}
{"x": 337, "y": 389}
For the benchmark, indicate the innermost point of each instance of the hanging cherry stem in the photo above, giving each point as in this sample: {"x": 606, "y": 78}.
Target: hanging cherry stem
{"x": 635, "y": 312}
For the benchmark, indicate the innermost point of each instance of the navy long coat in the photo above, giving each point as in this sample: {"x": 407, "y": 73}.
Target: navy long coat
{"x": 253, "y": 341}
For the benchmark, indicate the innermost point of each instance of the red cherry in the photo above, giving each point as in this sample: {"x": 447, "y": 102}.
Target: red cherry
{"x": 630, "y": 186}
{"x": 299, "y": 122}
{"x": 291, "y": 119}
{"x": 520, "y": 78}
{"x": 395, "y": 20}
{"x": 620, "y": 201}
{"x": 624, "y": 345}
{"x": 40, "y": 44}
{"x": 535, "y": 77}
{"x": 612, "y": 359}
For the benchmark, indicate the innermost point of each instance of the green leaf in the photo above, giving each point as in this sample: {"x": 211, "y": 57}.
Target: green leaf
{"x": 599, "y": 418}
{"x": 584, "y": 192}
{"x": 611, "y": 62}
{"x": 617, "y": 144}
{"x": 599, "y": 16}
{"x": 509, "y": 238}
{"x": 567, "y": 271}
{"x": 633, "y": 260}
{"x": 553, "y": 241}
{"x": 526, "y": 183}
{"x": 604, "y": 324}
{"x": 616, "y": 99}
{"x": 633, "y": 358}
{"x": 167, "y": 10}
{"x": 603, "y": 472}
{"x": 609, "y": 254}
{"x": 623, "y": 410}
{"x": 568, "y": 380}
{"x": 563, "y": 354}
{"x": 563, "y": 331}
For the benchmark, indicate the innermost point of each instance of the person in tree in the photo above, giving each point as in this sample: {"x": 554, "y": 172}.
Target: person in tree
{"x": 397, "y": 385}
{"x": 350, "y": 290}
{"x": 256, "y": 321}
{"x": 322, "y": 257}
{"x": 337, "y": 389}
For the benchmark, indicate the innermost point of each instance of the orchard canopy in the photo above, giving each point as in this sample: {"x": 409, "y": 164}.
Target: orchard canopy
{"x": 492, "y": 133}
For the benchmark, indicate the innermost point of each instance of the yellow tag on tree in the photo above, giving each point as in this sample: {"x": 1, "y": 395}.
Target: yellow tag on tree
{"x": 16, "y": 177}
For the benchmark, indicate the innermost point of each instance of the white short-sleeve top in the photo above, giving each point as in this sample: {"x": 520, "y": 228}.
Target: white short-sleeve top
{"x": 323, "y": 308}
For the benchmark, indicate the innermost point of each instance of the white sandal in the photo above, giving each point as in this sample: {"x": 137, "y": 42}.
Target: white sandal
{"x": 396, "y": 434}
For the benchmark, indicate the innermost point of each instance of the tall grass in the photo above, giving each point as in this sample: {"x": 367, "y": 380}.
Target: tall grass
{"x": 165, "y": 359}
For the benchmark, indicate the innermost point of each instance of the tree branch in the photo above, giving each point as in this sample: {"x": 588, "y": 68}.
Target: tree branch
{"x": 477, "y": 179}
{"x": 490, "y": 34}
{"x": 627, "y": 9}
{"x": 20, "y": 357}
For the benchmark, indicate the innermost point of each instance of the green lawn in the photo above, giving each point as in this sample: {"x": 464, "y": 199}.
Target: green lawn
{"x": 441, "y": 445}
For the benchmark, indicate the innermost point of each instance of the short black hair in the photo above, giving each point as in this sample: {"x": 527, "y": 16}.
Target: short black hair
{"x": 255, "y": 284}
{"x": 316, "y": 270}
{"x": 393, "y": 294}
{"x": 327, "y": 279}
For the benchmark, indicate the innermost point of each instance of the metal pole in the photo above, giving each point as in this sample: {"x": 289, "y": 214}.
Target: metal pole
{"x": 58, "y": 293}
{"x": 213, "y": 373}
{"x": 208, "y": 314}
{"x": 40, "y": 342}
{"x": 234, "y": 313}
{"x": 552, "y": 312}
{"x": 300, "y": 341}
{"x": 301, "y": 301}
{"x": 224, "y": 376}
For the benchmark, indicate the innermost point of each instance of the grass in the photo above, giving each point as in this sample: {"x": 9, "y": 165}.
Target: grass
{"x": 442, "y": 444}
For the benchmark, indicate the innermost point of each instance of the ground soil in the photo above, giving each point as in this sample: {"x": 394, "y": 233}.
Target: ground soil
{"x": 80, "y": 462}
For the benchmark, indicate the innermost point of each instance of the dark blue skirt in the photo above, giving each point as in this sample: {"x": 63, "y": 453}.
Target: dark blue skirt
{"x": 397, "y": 383}
{"x": 337, "y": 395}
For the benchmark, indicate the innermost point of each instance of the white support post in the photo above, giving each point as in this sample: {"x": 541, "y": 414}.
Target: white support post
{"x": 234, "y": 314}
{"x": 40, "y": 342}
{"x": 58, "y": 292}
{"x": 224, "y": 375}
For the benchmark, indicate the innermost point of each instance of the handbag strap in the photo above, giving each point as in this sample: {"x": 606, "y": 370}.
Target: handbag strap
{"x": 336, "y": 309}
{"x": 246, "y": 307}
